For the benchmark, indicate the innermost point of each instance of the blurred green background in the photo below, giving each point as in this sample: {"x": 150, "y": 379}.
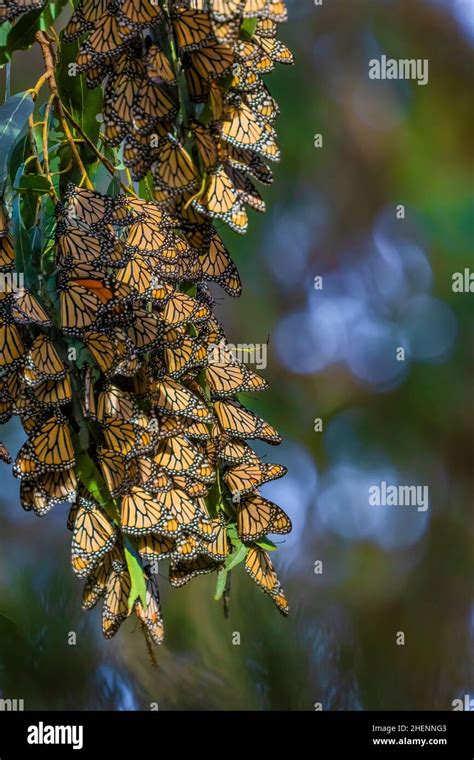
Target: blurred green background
{"x": 387, "y": 282}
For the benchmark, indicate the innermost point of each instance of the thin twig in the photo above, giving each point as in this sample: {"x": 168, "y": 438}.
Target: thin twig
{"x": 47, "y": 169}
{"x": 100, "y": 156}
{"x": 46, "y": 49}
{"x": 34, "y": 147}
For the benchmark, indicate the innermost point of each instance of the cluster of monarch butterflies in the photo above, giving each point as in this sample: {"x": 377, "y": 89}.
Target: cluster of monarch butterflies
{"x": 10, "y": 9}
{"x": 204, "y": 153}
{"x": 122, "y": 341}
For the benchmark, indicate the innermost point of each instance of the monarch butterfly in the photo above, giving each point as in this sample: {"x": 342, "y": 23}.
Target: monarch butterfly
{"x": 235, "y": 452}
{"x": 224, "y": 10}
{"x": 83, "y": 299}
{"x": 220, "y": 201}
{"x": 7, "y": 253}
{"x": 135, "y": 14}
{"x": 243, "y": 479}
{"x": 84, "y": 18}
{"x": 269, "y": 149}
{"x": 145, "y": 331}
{"x": 226, "y": 31}
{"x": 228, "y": 378}
{"x": 181, "y": 507}
{"x": 125, "y": 437}
{"x": 192, "y": 29}
{"x": 197, "y": 430}
{"x": 102, "y": 350}
{"x": 274, "y": 49}
{"x": 260, "y": 568}
{"x": 181, "y": 573}
{"x": 42, "y": 362}
{"x": 114, "y": 132}
{"x": 154, "y": 548}
{"x": 117, "y": 592}
{"x": 141, "y": 512}
{"x": 147, "y": 235}
{"x": 5, "y": 454}
{"x": 96, "y": 582}
{"x": 11, "y": 345}
{"x": 16, "y": 7}
{"x": 32, "y": 498}
{"x": 193, "y": 488}
{"x": 239, "y": 422}
{"x": 187, "y": 547}
{"x": 245, "y": 190}
{"x": 218, "y": 266}
{"x": 244, "y": 80}
{"x": 54, "y": 392}
{"x": 93, "y": 536}
{"x": 119, "y": 96}
{"x": 151, "y": 616}
{"x": 114, "y": 402}
{"x": 50, "y": 447}
{"x": 276, "y": 10}
{"x": 175, "y": 170}
{"x": 91, "y": 207}
{"x": 252, "y": 56}
{"x": 250, "y": 163}
{"x": 170, "y": 396}
{"x": 257, "y": 516}
{"x": 186, "y": 353}
{"x": 242, "y": 128}
{"x": 263, "y": 104}
{"x": 158, "y": 67}
{"x": 210, "y": 149}
{"x": 212, "y": 61}
{"x": 181, "y": 309}
{"x": 153, "y": 101}
{"x": 176, "y": 455}
{"x": 150, "y": 211}
{"x": 115, "y": 470}
{"x": 266, "y": 28}
{"x": 218, "y": 548}
{"x": 26, "y": 308}
{"x": 147, "y": 475}
{"x": 106, "y": 39}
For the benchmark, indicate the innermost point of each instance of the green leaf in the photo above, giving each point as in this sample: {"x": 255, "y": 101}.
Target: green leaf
{"x": 233, "y": 535}
{"x": 82, "y": 103}
{"x": 247, "y": 28}
{"x": 18, "y": 153}
{"x": 266, "y": 544}
{"x": 23, "y": 246}
{"x": 221, "y": 584}
{"x": 22, "y": 34}
{"x": 13, "y": 116}
{"x": 34, "y": 182}
{"x": 4, "y": 32}
{"x": 91, "y": 477}
{"x": 137, "y": 577}
{"x": 236, "y": 557}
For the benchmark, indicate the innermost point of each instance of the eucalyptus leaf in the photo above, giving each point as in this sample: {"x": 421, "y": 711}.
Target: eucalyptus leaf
{"x": 138, "y": 585}
{"x": 265, "y": 543}
{"x": 14, "y": 115}
{"x": 23, "y": 247}
{"x": 81, "y": 102}
{"x": 34, "y": 182}
{"x": 221, "y": 584}
{"x": 248, "y": 27}
{"x": 236, "y": 557}
{"x": 22, "y": 33}
{"x": 4, "y": 32}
